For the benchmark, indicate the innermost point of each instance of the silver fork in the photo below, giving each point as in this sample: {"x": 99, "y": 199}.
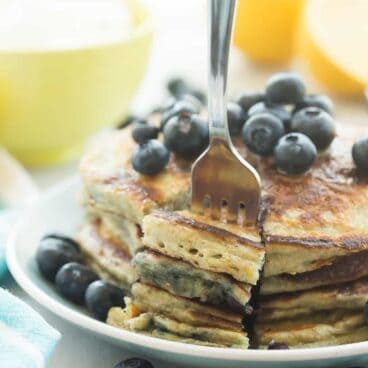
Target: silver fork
{"x": 224, "y": 185}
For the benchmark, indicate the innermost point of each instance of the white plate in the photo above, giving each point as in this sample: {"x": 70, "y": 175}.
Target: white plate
{"x": 59, "y": 211}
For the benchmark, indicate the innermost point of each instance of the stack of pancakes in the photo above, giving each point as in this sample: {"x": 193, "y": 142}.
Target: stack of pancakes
{"x": 190, "y": 278}
{"x": 315, "y": 280}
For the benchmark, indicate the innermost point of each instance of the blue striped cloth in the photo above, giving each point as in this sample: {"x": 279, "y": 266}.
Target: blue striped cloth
{"x": 26, "y": 340}
{"x": 7, "y": 219}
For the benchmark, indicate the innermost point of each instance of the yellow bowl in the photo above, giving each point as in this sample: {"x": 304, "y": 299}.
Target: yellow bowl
{"x": 51, "y": 101}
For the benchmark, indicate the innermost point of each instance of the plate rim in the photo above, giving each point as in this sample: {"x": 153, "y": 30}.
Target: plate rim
{"x": 140, "y": 340}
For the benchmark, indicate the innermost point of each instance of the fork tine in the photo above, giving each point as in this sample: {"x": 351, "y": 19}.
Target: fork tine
{"x": 216, "y": 201}
{"x": 251, "y": 211}
{"x": 232, "y": 213}
{"x": 197, "y": 200}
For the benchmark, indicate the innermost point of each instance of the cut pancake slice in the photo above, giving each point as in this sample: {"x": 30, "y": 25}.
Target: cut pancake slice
{"x": 157, "y": 325}
{"x": 206, "y": 244}
{"x": 105, "y": 257}
{"x": 182, "y": 279}
{"x": 154, "y": 300}
{"x": 158, "y": 313}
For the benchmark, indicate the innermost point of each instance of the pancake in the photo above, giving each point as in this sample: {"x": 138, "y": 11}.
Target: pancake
{"x": 307, "y": 222}
{"x": 182, "y": 279}
{"x": 106, "y": 258}
{"x": 321, "y": 329}
{"x": 206, "y": 244}
{"x": 117, "y": 228}
{"x": 344, "y": 269}
{"x": 349, "y": 296}
{"x": 110, "y": 180}
{"x": 165, "y": 328}
{"x": 312, "y": 220}
{"x": 150, "y": 299}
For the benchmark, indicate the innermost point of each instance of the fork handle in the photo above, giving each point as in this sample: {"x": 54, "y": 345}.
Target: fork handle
{"x": 220, "y": 22}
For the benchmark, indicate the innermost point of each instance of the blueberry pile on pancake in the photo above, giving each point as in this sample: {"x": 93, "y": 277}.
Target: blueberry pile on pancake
{"x": 302, "y": 270}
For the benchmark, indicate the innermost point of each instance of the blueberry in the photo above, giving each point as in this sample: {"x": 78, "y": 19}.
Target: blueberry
{"x": 54, "y": 252}
{"x": 315, "y": 123}
{"x": 295, "y": 153}
{"x": 134, "y": 363}
{"x": 72, "y": 281}
{"x": 360, "y": 157}
{"x": 129, "y": 120}
{"x": 248, "y": 99}
{"x": 143, "y": 132}
{"x": 285, "y": 88}
{"x": 101, "y": 296}
{"x": 186, "y": 136}
{"x": 60, "y": 236}
{"x": 235, "y": 117}
{"x": 276, "y": 110}
{"x": 197, "y": 105}
{"x": 273, "y": 345}
{"x": 182, "y": 108}
{"x": 321, "y": 101}
{"x": 150, "y": 157}
{"x": 179, "y": 87}
{"x": 261, "y": 133}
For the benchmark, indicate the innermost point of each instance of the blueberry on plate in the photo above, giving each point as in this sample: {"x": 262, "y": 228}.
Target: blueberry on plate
{"x": 54, "y": 252}
{"x": 248, "y": 99}
{"x": 235, "y": 117}
{"x": 277, "y": 110}
{"x": 134, "y": 363}
{"x": 186, "y": 136}
{"x": 321, "y": 101}
{"x": 285, "y": 88}
{"x": 315, "y": 123}
{"x": 72, "y": 281}
{"x": 273, "y": 345}
{"x": 294, "y": 154}
{"x": 360, "y": 157}
{"x": 101, "y": 296}
{"x": 261, "y": 133}
{"x": 143, "y": 132}
{"x": 182, "y": 108}
{"x": 150, "y": 158}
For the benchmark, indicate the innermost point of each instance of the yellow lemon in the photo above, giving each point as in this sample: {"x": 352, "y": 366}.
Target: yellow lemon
{"x": 265, "y": 29}
{"x": 333, "y": 41}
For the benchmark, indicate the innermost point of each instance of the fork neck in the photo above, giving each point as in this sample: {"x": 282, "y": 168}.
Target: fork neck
{"x": 221, "y": 14}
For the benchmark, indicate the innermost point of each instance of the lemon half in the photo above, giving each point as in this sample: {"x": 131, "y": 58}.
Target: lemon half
{"x": 265, "y": 29}
{"x": 333, "y": 42}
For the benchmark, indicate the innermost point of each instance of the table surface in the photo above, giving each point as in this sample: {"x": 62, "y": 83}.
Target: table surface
{"x": 179, "y": 49}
